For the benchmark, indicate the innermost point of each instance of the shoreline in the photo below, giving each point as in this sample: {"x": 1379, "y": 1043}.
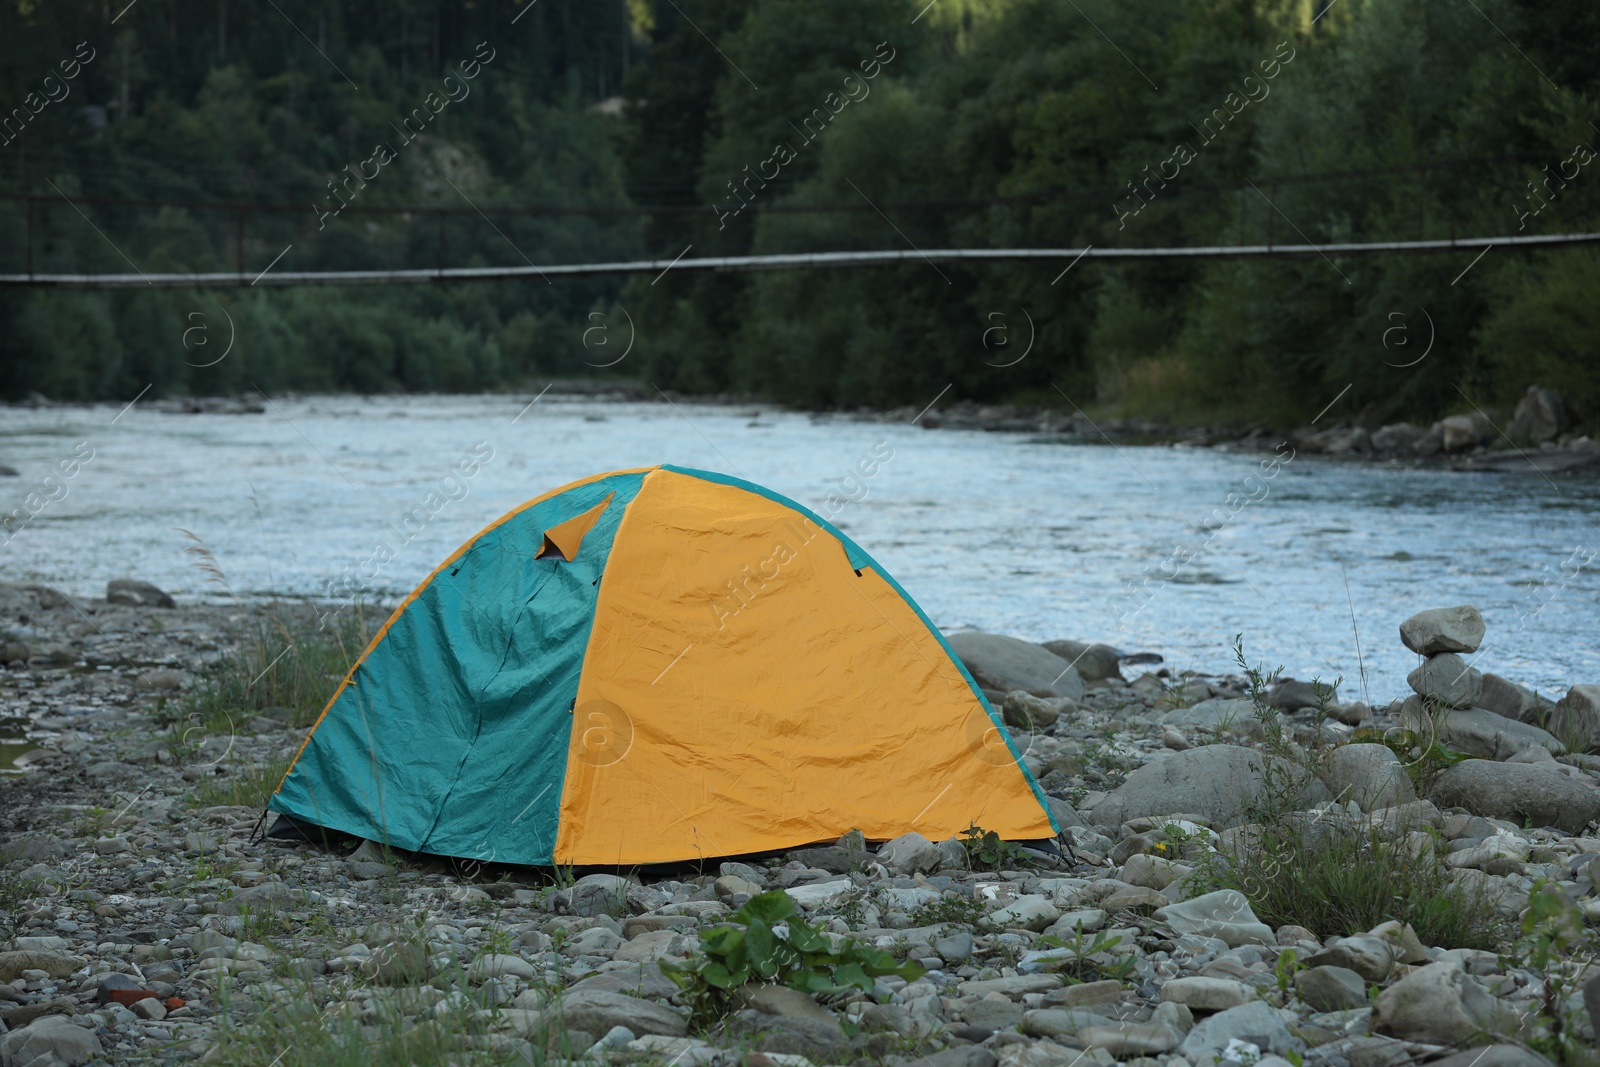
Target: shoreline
{"x": 1476, "y": 443}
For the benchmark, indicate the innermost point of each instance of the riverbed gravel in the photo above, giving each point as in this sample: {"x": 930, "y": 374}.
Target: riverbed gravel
{"x": 147, "y": 922}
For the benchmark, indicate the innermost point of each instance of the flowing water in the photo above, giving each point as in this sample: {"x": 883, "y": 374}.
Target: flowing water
{"x": 1033, "y": 536}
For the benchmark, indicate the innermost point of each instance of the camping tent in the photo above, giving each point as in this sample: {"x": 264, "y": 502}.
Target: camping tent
{"x": 657, "y": 665}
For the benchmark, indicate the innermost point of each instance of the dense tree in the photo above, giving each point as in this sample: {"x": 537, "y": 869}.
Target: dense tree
{"x": 644, "y": 128}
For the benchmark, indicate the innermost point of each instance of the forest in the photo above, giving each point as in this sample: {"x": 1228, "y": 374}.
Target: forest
{"x": 212, "y": 135}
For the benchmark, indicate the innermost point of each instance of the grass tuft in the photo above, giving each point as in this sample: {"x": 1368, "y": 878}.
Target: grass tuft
{"x": 288, "y": 661}
{"x": 1333, "y": 872}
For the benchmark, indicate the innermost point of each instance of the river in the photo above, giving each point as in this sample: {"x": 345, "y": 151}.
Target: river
{"x": 1034, "y": 536}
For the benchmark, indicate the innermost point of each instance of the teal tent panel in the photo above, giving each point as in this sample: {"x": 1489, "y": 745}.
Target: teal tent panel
{"x": 452, "y": 738}
{"x": 861, "y": 560}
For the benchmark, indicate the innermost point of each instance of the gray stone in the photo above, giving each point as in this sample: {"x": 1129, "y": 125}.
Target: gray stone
{"x": 972, "y": 1056}
{"x": 150, "y": 1008}
{"x": 1219, "y": 715}
{"x": 1458, "y": 629}
{"x": 595, "y": 941}
{"x": 1291, "y": 695}
{"x": 641, "y": 980}
{"x": 1065, "y": 814}
{"x": 1127, "y": 1040}
{"x": 780, "y": 1000}
{"x": 1224, "y": 914}
{"x": 598, "y": 1011}
{"x": 1092, "y": 662}
{"x": 1370, "y": 957}
{"x": 1481, "y": 732}
{"x": 992, "y": 1014}
{"x": 1030, "y": 912}
{"x": 954, "y": 948}
{"x": 1396, "y": 437}
{"x": 136, "y": 594}
{"x": 56, "y": 965}
{"x": 1508, "y": 698}
{"x": 1330, "y": 988}
{"x": 1370, "y": 775}
{"x": 953, "y": 854}
{"x": 500, "y": 965}
{"x": 32, "y": 846}
{"x": 1201, "y": 993}
{"x": 1442, "y": 1005}
{"x": 1217, "y": 782}
{"x": 1461, "y": 432}
{"x": 1577, "y": 715}
{"x": 1447, "y": 679}
{"x": 116, "y": 981}
{"x": 49, "y": 1041}
{"x": 1025, "y": 711}
{"x": 595, "y": 894}
{"x": 1058, "y": 1022}
{"x": 910, "y": 853}
{"x": 1493, "y": 1056}
{"x": 785, "y": 1034}
{"x": 831, "y": 858}
{"x": 1006, "y": 663}
{"x": 816, "y": 895}
{"x": 363, "y": 871}
{"x": 1519, "y": 791}
{"x": 1256, "y": 1022}
{"x": 1540, "y": 416}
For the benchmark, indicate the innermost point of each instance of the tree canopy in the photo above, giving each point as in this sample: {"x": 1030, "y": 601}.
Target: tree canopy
{"x": 216, "y": 135}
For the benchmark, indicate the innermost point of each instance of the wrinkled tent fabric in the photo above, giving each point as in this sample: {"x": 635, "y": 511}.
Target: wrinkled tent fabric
{"x": 651, "y": 666}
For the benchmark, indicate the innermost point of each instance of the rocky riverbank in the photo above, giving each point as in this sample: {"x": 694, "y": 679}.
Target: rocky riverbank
{"x": 1540, "y": 437}
{"x": 143, "y": 924}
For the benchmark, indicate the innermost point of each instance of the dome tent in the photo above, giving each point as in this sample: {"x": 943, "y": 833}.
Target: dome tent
{"x": 651, "y": 666}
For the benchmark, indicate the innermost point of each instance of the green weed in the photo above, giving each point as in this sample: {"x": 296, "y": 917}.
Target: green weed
{"x": 963, "y": 911}
{"x": 1090, "y": 959}
{"x": 768, "y": 941}
{"x": 988, "y": 851}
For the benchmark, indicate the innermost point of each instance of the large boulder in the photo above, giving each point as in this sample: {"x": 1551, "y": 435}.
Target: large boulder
{"x": 1025, "y": 711}
{"x": 1219, "y": 715}
{"x": 1458, "y": 629}
{"x": 910, "y": 853}
{"x": 1447, "y": 679}
{"x": 1508, "y": 698}
{"x": 50, "y": 1041}
{"x": 135, "y": 594}
{"x": 1577, "y": 716}
{"x": 1092, "y": 662}
{"x": 1370, "y": 775}
{"x": 1518, "y": 792}
{"x": 1540, "y": 416}
{"x": 1225, "y": 914}
{"x": 1005, "y": 663}
{"x": 1480, "y": 732}
{"x": 1461, "y": 432}
{"x": 1442, "y": 1005}
{"x": 1257, "y": 1023}
{"x": 596, "y": 1011}
{"x": 1293, "y": 695}
{"x": 594, "y": 894}
{"x": 1221, "y": 782}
